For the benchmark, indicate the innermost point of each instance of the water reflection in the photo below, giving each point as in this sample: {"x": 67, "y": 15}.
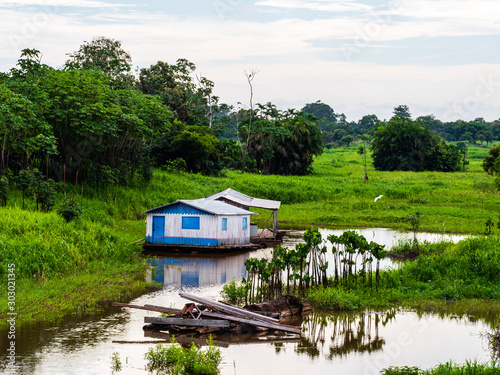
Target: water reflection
{"x": 348, "y": 333}
{"x": 196, "y": 270}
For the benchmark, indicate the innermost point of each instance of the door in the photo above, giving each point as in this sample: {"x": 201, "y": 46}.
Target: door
{"x": 158, "y": 229}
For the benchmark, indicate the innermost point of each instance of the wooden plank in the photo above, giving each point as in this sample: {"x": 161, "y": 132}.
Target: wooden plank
{"x": 149, "y": 308}
{"x": 229, "y": 309}
{"x": 278, "y": 327}
{"x": 187, "y": 322}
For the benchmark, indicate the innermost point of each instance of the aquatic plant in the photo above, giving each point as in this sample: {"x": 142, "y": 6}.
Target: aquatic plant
{"x": 116, "y": 363}
{"x": 346, "y": 249}
{"x": 174, "y": 359}
{"x": 449, "y": 368}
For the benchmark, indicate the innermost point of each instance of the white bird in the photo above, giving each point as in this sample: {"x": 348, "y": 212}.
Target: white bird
{"x": 380, "y": 196}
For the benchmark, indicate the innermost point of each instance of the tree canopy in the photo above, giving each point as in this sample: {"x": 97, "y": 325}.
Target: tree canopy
{"x": 407, "y": 145}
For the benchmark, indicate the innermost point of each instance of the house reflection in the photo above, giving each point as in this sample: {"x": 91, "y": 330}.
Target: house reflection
{"x": 196, "y": 272}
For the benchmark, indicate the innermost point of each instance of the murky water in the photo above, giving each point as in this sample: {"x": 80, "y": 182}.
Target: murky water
{"x": 200, "y": 271}
{"x": 358, "y": 343}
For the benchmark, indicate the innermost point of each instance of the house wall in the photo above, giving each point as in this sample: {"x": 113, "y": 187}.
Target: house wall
{"x": 209, "y": 234}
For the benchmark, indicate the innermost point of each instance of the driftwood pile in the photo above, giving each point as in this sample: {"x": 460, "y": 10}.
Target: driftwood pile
{"x": 203, "y": 316}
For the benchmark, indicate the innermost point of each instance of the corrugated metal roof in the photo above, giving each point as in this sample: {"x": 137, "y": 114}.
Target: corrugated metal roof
{"x": 213, "y": 207}
{"x": 245, "y": 200}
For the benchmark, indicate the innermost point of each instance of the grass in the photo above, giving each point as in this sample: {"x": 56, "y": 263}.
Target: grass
{"x": 54, "y": 256}
{"x": 467, "y": 271}
{"x": 449, "y": 368}
{"x": 85, "y": 292}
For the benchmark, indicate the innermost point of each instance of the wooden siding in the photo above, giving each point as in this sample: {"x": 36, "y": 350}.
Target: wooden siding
{"x": 210, "y": 232}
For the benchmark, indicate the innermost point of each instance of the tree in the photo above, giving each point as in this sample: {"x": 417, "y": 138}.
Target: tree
{"x": 490, "y": 159}
{"x": 402, "y": 111}
{"x": 250, "y": 76}
{"x": 284, "y": 142}
{"x": 173, "y": 83}
{"x": 201, "y": 151}
{"x": 406, "y": 145}
{"x": 323, "y": 112}
{"x": 103, "y": 54}
{"x": 362, "y": 151}
{"x": 366, "y": 124}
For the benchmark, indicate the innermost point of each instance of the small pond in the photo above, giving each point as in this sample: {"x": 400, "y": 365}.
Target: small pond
{"x": 355, "y": 343}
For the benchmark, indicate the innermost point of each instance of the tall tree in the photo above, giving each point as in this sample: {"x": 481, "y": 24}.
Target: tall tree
{"x": 103, "y": 54}
{"x": 402, "y": 111}
{"x": 406, "y": 145}
{"x": 174, "y": 84}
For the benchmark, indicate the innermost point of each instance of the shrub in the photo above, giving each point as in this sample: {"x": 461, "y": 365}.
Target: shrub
{"x": 173, "y": 359}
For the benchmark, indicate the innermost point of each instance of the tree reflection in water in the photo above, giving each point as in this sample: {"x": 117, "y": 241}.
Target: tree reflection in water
{"x": 338, "y": 334}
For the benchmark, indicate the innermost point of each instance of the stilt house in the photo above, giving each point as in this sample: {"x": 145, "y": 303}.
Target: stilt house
{"x": 221, "y": 219}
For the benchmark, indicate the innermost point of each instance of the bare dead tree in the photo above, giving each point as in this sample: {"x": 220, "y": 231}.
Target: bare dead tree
{"x": 250, "y": 75}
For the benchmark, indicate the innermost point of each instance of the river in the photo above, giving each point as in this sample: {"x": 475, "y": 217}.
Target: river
{"x": 354, "y": 343}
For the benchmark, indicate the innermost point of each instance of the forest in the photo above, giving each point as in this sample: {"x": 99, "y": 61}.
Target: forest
{"x": 93, "y": 120}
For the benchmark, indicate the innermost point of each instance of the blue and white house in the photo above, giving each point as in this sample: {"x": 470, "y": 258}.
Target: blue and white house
{"x": 201, "y": 222}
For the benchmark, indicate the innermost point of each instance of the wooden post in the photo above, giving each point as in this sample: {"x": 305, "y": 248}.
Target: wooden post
{"x": 275, "y": 223}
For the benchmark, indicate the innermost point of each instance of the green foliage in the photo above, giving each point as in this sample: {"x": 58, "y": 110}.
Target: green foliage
{"x": 491, "y": 164}
{"x": 101, "y": 54}
{"x": 195, "y": 145}
{"x": 449, "y": 368}
{"x": 4, "y": 189}
{"x": 283, "y": 142}
{"x": 116, "y": 363}
{"x": 402, "y": 111}
{"x": 235, "y": 293}
{"x": 305, "y": 267}
{"x": 406, "y": 145}
{"x": 173, "y": 359}
{"x": 78, "y": 120}
{"x": 43, "y": 244}
{"x": 469, "y": 269}
{"x": 69, "y": 210}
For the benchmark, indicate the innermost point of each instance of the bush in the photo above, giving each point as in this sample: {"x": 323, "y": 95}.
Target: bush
{"x": 173, "y": 359}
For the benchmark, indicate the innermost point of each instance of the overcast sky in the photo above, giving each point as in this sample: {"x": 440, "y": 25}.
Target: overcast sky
{"x": 439, "y": 57}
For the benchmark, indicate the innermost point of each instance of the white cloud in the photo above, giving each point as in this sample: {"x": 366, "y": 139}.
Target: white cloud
{"x": 448, "y": 9}
{"x": 61, "y": 3}
{"x": 318, "y": 5}
{"x": 292, "y": 68}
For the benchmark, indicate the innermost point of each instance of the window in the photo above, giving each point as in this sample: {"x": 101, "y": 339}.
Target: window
{"x": 224, "y": 223}
{"x": 244, "y": 223}
{"x": 191, "y": 222}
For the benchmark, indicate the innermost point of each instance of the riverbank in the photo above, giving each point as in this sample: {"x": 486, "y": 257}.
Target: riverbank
{"x": 468, "y": 271}
{"x": 83, "y": 293}
{"x": 54, "y": 269}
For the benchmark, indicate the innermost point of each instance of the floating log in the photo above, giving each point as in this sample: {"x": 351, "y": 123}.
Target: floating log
{"x": 229, "y": 309}
{"x": 187, "y": 322}
{"x": 150, "y": 308}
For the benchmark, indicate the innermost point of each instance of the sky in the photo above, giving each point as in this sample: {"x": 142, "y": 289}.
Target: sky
{"x": 438, "y": 57}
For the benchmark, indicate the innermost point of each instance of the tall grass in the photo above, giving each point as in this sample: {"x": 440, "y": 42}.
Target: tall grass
{"x": 44, "y": 245}
{"x": 464, "y": 271}
{"x": 449, "y": 368}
